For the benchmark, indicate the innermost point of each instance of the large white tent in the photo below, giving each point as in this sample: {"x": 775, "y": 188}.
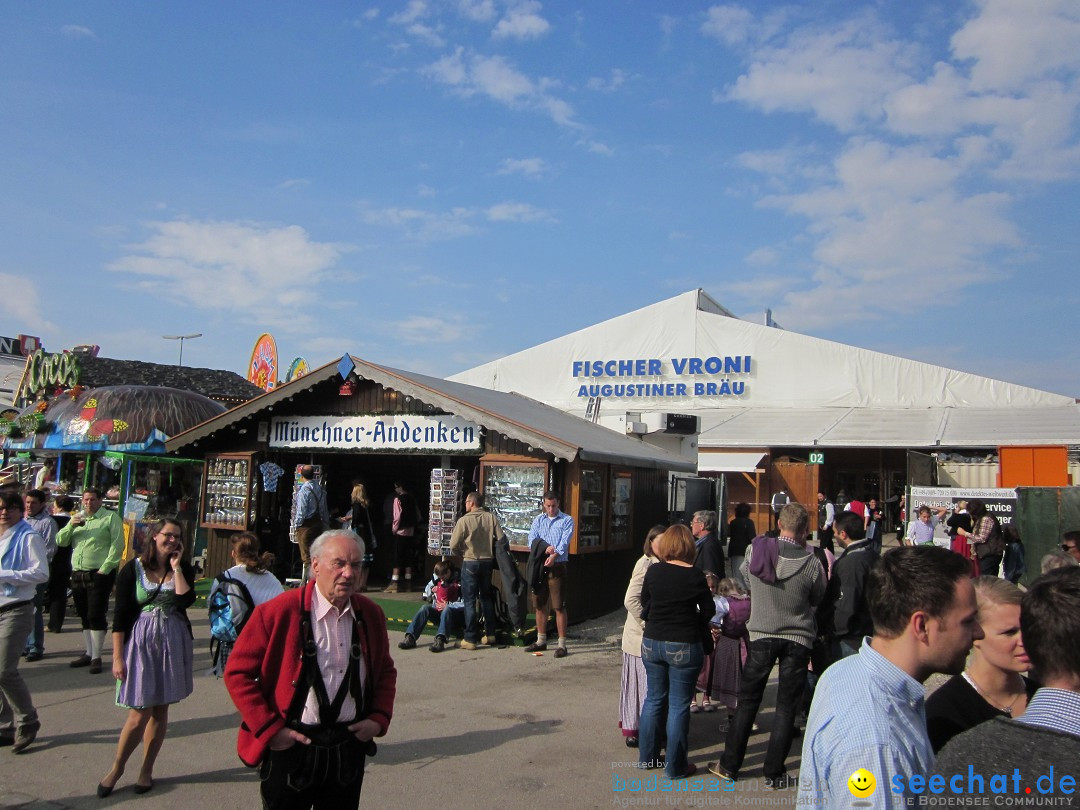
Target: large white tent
{"x": 757, "y": 386}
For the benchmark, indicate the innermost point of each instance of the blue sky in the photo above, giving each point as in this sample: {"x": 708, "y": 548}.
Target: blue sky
{"x": 431, "y": 185}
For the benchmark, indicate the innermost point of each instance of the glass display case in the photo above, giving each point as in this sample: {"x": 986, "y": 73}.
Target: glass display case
{"x": 229, "y": 490}
{"x": 514, "y": 493}
{"x": 621, "y": 489}
{"x": 590, "y": 528}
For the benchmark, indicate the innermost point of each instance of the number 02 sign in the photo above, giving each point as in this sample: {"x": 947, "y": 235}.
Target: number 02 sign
{"x": 817, "y": 458}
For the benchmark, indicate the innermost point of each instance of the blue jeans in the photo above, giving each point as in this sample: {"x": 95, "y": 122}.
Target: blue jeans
{"x": 765, "y": 652}
{"x": 448, "y": 620}
{"x": 671, "y": 668}
{"x": 476, "y": 584}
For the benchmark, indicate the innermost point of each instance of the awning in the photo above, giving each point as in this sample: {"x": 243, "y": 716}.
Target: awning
{"x": 729, "y": 462}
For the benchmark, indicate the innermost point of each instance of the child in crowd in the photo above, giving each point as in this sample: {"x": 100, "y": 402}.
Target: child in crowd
{"x": 447, "y": 609}
{"x": 703, "y": 697}
{"x": 731, "y": 644}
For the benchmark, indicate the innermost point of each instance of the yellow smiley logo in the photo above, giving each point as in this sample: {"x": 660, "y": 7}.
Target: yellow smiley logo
{"x": 862, "y": 783}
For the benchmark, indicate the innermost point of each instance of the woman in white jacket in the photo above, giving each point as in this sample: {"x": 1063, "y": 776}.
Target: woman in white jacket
{"x": 634, "y": 684}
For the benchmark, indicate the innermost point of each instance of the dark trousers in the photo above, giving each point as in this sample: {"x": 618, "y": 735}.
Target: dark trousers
{"x": 313, "y": 777}
{"x": 476, "y": 584}
{"x": 989, "y": 565}
{"x": 764, "y": 653}
{"x": 59, "y": 579}
{"x": 93, "y": 603}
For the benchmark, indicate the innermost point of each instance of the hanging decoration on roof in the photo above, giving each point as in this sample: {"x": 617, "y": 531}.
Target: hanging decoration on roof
{"x": 298, "y": 368}
{"x": 263, "y": 368}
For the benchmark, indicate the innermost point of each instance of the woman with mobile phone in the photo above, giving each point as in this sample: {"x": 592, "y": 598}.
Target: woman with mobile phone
{"x": 152, "y": 648}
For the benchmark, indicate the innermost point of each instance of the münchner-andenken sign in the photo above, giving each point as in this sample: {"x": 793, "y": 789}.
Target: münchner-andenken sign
{"x": 375, "y": 433}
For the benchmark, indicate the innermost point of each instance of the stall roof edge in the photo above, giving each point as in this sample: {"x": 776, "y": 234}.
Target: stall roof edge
{"x": 542, "y": 426}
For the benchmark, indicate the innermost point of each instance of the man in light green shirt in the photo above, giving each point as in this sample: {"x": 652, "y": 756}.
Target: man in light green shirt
{"x": 96, "y": 537}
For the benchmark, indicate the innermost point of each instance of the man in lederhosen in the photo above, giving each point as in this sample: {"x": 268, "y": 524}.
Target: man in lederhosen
{"x": 312, "y": 676}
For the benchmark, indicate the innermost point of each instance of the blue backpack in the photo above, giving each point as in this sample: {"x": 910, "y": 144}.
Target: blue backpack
{"x": 230, "y": 607}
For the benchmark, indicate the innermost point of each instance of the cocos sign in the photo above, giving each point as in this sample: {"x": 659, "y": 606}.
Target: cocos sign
{"x": 52, "y": 370}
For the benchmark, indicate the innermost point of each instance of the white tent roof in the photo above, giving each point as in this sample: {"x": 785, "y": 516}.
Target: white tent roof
{"x": 800, "y": 391}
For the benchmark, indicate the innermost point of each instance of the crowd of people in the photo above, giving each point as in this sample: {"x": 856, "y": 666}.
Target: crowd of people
{"x": 854, "y": 631}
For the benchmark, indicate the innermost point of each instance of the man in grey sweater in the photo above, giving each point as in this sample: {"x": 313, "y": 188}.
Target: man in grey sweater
{"x": 1035, "y": 756}
{"x": 786, "y": 583}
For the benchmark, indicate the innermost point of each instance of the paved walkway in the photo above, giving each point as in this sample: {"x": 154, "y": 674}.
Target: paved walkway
{"x": 489, "y": 728}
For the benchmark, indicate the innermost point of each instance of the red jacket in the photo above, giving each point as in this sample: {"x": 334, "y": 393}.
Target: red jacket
{"x": 264, "y": 668}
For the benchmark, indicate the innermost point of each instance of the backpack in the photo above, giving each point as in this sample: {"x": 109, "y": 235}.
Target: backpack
{"x": 230, "y": 607}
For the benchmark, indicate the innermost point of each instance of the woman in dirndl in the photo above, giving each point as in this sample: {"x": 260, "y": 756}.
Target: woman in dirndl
{"x": 152, "y": 649}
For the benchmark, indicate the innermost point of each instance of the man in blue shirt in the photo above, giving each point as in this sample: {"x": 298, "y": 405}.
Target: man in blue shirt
{"x": 555, "y": 528}
{"x": 868, "y": 712}
{"x": 311, "y": 517}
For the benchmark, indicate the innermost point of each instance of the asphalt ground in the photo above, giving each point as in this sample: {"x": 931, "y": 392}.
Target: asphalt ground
{"x": 495, "y": 727}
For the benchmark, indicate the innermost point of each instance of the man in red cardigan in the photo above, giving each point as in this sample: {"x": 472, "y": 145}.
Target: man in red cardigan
{"x": 312, "y": 676}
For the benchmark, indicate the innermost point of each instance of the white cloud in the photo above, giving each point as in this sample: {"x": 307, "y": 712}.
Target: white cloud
{"x": 427, "y": 34}
{"x": 728, "y": 24}
{"x": 530, "y": 167}
{"x": 21, "y": 304}
{"x": 424, "y": 190}
{"x": 597, "y": 148}
{"x": 480, "y": 11}
{"x": 518, "y": 212}
{"x": 610, "y": 84}
{"x": 413, "y": 11}
{"x": 249, "y": 269}
{"x": 917, "y": 192}
{"x": 77, "y": 32}
{"x": 424, "y": 226}
{"x": 295, "y": 182}
{"x": 427, "y": 329}
{"x": 763, "y": 257}
{"x": 1011, "y": 44}
{"x": 841, "y": 75}
{"x": 497, "y": 79}
{"x": 522, "y": 21}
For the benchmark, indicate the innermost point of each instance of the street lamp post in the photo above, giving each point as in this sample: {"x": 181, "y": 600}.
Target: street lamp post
{"x": 182, "y": 338}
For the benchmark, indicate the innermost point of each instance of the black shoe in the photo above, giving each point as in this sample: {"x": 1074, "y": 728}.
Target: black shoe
{"x": 24, "y": 736}
{"x": 407, "y": 643}
{"x": 716, "y": 769}
{"x": 81, "y": 661}
{"x": 141, "y": 789}
{"x": 560, "y": 652}
{"x": 95, "y": 666}
{"x": 439, "y": 644}
{"x": 7, "y": 740}
{"x": 102, "y": 791}
{"x": 535, "y": 647}
{"x": 778, "y": 782}
{"x": 631, "y": 742}
{"x": 35, "y": 655}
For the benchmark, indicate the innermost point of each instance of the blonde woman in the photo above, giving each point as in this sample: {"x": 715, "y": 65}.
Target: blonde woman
{"x": 634, "y": 685}
{"x": 992, "y": 684}
{"x": 362, "y": 525}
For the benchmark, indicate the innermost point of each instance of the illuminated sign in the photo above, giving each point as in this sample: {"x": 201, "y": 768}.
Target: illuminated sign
{"x": 47, "y": 371}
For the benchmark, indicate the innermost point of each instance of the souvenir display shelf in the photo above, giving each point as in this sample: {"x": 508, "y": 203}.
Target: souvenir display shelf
{"x": 514, "y": 493}
{"x": 621, "y": 491}
{"x": 446, "y": 507}
{"x": 590, "y": 528}
{"x": 229, "y": 491}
